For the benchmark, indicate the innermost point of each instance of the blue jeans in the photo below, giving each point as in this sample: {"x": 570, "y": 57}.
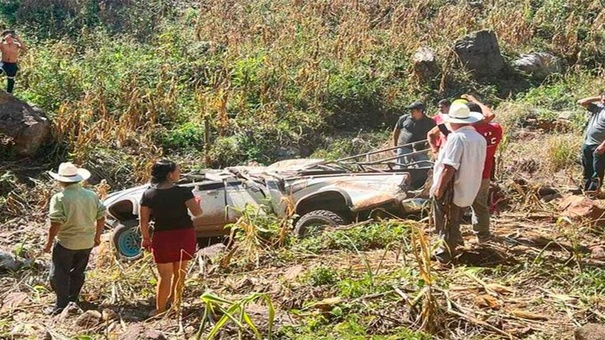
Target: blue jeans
{"x": 67, "y": 273}
{"x": 406, "y": 159}
{"x": 594, "y": 167}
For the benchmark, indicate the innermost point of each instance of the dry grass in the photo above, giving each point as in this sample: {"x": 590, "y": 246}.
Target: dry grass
{"x": 541, "y": 279}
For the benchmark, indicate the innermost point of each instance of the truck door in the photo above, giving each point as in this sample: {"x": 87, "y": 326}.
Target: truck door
{"x": 211, "y": 197}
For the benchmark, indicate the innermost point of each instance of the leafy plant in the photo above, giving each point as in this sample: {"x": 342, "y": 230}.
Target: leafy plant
{"x": 234, "y": 312}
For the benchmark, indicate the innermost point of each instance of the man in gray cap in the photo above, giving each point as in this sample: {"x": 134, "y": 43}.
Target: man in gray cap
{"x": 410, "y": 133}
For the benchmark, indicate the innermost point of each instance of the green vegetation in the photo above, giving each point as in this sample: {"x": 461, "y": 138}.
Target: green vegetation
{"x": 273, "y": 79}
{"x": 220, "y": 83}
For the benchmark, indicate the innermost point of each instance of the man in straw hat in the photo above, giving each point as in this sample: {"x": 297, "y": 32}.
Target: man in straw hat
{"x": 456, "y": 176}
{"x": 77, "y": 219}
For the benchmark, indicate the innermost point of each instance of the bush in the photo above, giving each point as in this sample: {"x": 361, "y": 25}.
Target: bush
{"x": 187, "y": 136}
{"x": 562, "y": 151}
{"x": 52, "y": 18}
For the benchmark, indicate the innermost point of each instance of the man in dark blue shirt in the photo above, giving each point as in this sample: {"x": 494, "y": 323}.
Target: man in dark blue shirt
{"x": 412, "y": 128}
{"x": 593, "y": 149}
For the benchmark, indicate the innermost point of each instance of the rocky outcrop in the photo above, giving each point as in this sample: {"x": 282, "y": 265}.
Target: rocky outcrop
{"x": 582, "y": 208}
{"x": 479, "y": 52}
{"x": 27, "y": 126}
{"x": 539, "y": 65}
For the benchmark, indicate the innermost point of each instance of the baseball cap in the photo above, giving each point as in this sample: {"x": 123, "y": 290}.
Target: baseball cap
{"x": 416, "y": 105}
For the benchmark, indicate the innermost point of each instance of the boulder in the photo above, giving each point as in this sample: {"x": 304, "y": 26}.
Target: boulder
{"x": 590, "y": 331}
{"x": 539, "y": 65}
{"x": 425, "y": 65}
{"x": 480, "y": 53}
{"x": 27, "y": 126}
{"x": 580, "y": 207}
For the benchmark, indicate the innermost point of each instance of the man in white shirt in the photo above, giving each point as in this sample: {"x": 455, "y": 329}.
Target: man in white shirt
{"x": 456, "y": 176}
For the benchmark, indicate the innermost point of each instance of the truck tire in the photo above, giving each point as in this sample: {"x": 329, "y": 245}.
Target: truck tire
{"x": 127, "y": 240}
{"x": 315, "y": 221}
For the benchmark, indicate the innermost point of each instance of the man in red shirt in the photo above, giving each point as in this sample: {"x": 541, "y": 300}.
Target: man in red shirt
{"x": 492, "y": 132}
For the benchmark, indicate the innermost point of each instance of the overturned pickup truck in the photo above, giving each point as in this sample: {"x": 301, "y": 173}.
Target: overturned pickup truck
{"x": 321, "y": 192}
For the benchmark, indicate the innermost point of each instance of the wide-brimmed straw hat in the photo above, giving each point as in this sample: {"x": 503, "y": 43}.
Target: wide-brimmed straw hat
{"x": 69, "y": 173}
{"x": 460, "y": 114}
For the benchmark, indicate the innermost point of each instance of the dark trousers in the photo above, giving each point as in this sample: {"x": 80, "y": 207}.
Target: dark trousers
{"x": 594, "y": 167}
{"x": 11, "y": 71}
{"x": 67, "y": 273}
{"x": 446, "y": 219}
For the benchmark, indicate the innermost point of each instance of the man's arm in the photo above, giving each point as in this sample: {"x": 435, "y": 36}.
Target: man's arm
{"x": 433, "y": 137}
{"x": 396, "y": 133}
{"x": 446, "y": 177}
{"x": 56, "y": 214}
{"x": 23, "y": 46}
{"x": 587, "y": 101}
{"x": 100, "y": 228}
{"x": 488, "y": 114}
{"x": 601, "y": 148}
{"x": 55, "y": 227}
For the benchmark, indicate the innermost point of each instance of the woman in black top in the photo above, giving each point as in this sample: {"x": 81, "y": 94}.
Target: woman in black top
{"x": 174, "y": 241}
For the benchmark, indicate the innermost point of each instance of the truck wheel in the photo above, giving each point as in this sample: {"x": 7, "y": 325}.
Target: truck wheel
{"x": 314, "y": 222}
{"x": 127, "y": 240}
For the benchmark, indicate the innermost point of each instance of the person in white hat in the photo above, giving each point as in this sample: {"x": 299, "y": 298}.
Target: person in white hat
{"x": 77, "y": 219}
{"x": 456, "y": 176}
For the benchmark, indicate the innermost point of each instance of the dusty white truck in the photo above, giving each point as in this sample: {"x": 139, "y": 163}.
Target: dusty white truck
{"x": 322, "y": 193}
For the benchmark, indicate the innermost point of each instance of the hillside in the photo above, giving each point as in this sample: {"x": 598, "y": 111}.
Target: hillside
{"x": 221, "y": 83}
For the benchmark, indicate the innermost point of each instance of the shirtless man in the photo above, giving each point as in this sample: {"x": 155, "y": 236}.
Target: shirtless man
{"x": 10, "y": 47}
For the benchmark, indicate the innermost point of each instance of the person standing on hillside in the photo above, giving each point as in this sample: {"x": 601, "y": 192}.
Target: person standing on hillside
{"x": 492, "y": 132}
{"x": 77, "y": 219}
{"x": 412, "y": 128}
{"x": 174, "y": 240}
{"x": 456, "y": 177}
{"x": 444, "y": 107}
{"x": 593, "y": 148}
{"x": 10, "y": 48}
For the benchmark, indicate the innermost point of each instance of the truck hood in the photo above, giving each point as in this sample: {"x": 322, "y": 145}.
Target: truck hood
{"x": 127, "y": 194}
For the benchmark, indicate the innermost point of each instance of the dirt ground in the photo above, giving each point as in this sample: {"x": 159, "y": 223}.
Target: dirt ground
{"x": 541, "y": 278}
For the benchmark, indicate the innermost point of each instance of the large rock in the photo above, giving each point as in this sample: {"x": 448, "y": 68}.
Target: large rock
{"x": 590, "y": 331}
{"x": 580, "y": 207}
{"x": 425, "y": 65}
{"x": 480, "y": 53}
{"x": 539, "y": 65}
{"x": 26, "y": 125}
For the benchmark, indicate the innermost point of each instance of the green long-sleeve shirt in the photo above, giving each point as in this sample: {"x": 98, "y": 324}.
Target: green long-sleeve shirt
{"x": 77, "y": 210}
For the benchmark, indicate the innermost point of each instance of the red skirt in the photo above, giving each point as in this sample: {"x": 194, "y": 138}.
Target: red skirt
{"x": 170, "y": 246}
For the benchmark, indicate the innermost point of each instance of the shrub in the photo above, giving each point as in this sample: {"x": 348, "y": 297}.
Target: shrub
{"x": 562, "y": 151}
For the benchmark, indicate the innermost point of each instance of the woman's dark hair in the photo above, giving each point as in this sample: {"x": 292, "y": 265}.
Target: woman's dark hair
{"x": 161, "y": 169}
